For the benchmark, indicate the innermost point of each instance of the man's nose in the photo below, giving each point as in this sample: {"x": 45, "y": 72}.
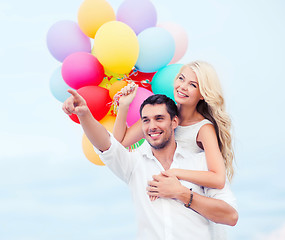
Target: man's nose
{"x": 152, "y": 125}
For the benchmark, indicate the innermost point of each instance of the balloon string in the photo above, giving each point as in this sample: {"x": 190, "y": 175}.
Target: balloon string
{"x": 116, "y": 98}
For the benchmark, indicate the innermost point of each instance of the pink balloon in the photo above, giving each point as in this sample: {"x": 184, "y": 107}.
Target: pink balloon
{"x": 82, "y": 69}
{"x": 180, "y": 37}
{"x": 134, "y": 109}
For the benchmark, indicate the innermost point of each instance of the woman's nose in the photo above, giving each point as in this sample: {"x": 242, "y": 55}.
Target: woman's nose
{"x": 184, "y": 86}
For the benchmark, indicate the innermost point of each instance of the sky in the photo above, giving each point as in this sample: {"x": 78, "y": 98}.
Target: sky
{"x": 49, "y": 190}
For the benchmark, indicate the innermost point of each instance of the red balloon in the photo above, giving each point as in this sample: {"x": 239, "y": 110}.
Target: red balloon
{"x": 97, "y": 99}
{"x": 142, "y": 79}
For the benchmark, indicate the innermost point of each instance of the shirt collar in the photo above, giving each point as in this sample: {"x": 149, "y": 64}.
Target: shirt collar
{"x": 147, "y": 152}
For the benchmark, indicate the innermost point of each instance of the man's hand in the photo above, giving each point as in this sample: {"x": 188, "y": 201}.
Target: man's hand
{"x": 75, "y": 104}
{"x": 164, "y": 185}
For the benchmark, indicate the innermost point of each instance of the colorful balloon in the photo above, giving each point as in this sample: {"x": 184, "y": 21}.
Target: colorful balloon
{"x": 65, "y": 38}
{"x": 97, "y": 99}
{"x": 110, "y": 78}
{"x": 89, "y": 152}
{"x": 108, "y": 122}
{"x": 139, "y": 15}
{"x": 157, "y": 48}
{"x": 107, "y": 82}
{"x": 116, "y": 87}
{"x": 92, "y": 14}
{"x": 82, "y": 69}
{"x": 163, "y": 80}
{"x": 134, "y": 109}
{"x": 58, "y": 86}
{"x": 116, "y": 47}
{"x": 180, "y": 37}
{"x": 142, "y": 79}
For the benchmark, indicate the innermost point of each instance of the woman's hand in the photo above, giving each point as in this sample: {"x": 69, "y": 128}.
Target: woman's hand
{"x": 128, "y": 94}
{"x": 172, "y": 172}
{"x": 164, "y": 185}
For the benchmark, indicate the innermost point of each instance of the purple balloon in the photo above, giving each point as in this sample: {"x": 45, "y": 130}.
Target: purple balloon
{"x": 138, "y": 14}
{"x": 64, "y": 38}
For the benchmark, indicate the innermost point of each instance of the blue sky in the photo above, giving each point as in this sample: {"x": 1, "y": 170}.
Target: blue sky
{"x": 49, "y": 190}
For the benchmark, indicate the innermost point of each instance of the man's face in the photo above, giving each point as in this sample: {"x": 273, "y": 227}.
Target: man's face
{"x": 157, "y": 126}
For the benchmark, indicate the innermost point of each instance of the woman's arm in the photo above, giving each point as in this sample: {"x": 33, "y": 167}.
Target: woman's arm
{"x": 127, "y": 136}
{"x": 167, "y": 186}
{"x": 215, "y": 177}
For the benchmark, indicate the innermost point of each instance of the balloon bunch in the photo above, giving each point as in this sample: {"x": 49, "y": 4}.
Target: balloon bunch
{"x": 127, "y": 46}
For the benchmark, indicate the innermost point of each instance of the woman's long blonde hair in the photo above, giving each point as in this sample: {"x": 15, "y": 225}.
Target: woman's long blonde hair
{"x": 213, "y": 109}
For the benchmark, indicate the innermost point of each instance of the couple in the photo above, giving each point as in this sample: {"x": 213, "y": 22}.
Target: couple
{"x": 182, "y": 208}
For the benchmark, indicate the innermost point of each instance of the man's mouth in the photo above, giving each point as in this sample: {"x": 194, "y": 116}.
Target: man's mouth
{"x": 155, "y": 135}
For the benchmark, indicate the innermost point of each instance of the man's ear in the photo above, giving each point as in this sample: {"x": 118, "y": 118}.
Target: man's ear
{"x": 175, "y": 122}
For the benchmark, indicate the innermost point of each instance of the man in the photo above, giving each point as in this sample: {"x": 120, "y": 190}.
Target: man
{"x": 166, "y": 217}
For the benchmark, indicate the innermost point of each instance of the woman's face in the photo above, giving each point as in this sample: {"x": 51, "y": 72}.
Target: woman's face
{"x": 186, "y": 88}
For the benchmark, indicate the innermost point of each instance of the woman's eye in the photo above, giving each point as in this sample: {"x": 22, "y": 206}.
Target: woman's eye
{"x": 192, "y": 84}
{"x": 180, "y": 78}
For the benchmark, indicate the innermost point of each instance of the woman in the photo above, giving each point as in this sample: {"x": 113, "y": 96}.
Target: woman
{"x": 204, "y": 126}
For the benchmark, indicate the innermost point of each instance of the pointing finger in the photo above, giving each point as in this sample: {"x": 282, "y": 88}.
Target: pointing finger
{"x": 75, "y": 94}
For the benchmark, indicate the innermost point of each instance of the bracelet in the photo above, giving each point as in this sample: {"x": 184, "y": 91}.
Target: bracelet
{"x": 190, "y": 201}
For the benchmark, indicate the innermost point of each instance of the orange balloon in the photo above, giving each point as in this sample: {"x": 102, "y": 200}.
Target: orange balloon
{"x": 108, "y": 122}
{"x": 116, "y": 87}
{"x": 92, "y": 14}
{"x": 88, "y": 149}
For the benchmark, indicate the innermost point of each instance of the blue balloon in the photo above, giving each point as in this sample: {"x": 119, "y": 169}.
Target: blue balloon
{"x": 163, "y": 81}
{"x": 58, "y": 87}
{"x": 157, "y": 47}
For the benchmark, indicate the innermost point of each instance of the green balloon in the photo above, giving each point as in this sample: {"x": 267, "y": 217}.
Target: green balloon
{"x": 163, "y": 81}
{"x": 136, "y": 145}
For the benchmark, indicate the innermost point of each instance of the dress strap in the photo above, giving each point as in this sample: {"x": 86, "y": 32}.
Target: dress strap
{"x": 201, "y": 124}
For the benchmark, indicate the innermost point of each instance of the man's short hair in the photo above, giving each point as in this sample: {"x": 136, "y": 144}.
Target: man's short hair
{"x": 161, "y": 99}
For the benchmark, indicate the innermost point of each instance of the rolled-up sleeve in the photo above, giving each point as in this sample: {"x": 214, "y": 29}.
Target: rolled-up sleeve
{"x": 120, "y": 161}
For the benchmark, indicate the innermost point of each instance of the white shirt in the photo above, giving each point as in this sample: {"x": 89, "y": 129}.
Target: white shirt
{"x": 165, "y": 219}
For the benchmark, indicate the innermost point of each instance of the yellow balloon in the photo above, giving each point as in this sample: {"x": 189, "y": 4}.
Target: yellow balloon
{"x": 92, "y": 14}
{"x": 116, "y": 47}
{"x": 88, "y": 149}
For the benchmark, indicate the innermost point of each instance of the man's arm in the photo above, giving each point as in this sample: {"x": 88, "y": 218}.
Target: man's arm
{"x": 216, "y": 210}
{"x": 95, "y": 132}
{"x": 113, "y": 154}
